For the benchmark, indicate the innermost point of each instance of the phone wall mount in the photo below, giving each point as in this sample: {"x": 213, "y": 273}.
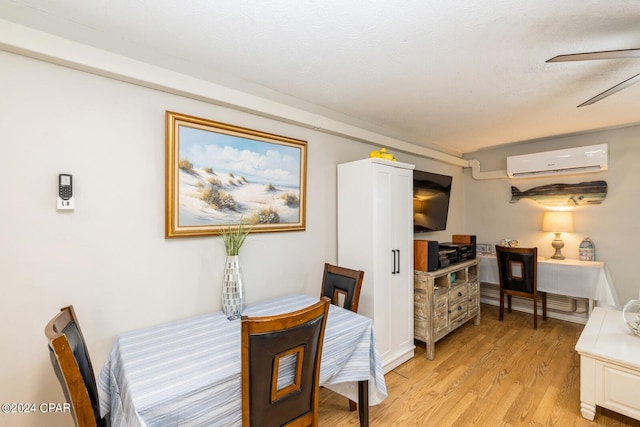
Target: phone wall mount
{"x": 65, "y": 192}
{"x": 64, "y": 205}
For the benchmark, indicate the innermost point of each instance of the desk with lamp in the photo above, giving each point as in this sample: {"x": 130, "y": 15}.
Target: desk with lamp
{"x": 557, "y": 275}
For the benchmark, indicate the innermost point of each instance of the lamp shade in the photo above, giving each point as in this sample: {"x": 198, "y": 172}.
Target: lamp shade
{"x": 558, "y": 221}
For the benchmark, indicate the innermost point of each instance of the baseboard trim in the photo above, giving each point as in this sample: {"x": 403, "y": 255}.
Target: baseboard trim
{"x": 574, "y": 317}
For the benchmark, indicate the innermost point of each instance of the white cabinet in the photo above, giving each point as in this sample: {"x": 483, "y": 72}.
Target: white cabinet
{"x": 609, "y": 365}
{"x": 375, "y": 234}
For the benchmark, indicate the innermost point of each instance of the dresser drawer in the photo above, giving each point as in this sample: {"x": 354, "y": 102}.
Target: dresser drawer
{"x": 440, "y": 322}
{"x": 473, "y": 289}
{"x": 458, "y": 310}
{"x": 473, "y": 308}
{"x": 616, "y": 388}
{"x": 458, "y": 294}
{"x": 441, "y": 303}
{"x": 473, "y": 297}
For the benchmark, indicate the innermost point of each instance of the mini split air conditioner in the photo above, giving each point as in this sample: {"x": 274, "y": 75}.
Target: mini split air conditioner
{"x": 592, "y": 158}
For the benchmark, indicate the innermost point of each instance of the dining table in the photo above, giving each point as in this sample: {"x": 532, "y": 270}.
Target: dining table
{"x": 188, "y": 372}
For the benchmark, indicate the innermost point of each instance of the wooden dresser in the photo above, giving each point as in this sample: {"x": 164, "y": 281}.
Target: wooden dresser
{"x": 444, "y": 300}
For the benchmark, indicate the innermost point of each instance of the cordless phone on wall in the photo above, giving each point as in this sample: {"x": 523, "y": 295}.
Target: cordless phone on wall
{"x": 65, "y": 191}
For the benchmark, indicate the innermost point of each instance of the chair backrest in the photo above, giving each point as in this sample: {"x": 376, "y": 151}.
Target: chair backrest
{"x": 518, "y": 268}
{"x": 342, "y": 286}
{"x": 281, "y": 367}
{"x": 72, "y": 365}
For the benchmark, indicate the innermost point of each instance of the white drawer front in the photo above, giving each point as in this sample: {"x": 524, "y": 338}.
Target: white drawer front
{"x": 618, "y": 388}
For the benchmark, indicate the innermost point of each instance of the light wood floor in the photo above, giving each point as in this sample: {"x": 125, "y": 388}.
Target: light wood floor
{"x": 495, "y": 374}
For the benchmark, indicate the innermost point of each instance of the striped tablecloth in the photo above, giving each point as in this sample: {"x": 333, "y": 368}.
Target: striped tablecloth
{"x": 187, "y": 373}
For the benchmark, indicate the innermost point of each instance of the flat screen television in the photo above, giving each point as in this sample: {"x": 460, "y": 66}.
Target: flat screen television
{"x": 431, "y": 192}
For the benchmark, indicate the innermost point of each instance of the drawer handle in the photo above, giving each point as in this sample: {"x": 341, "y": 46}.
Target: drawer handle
{"x": 459, "y": 307}
{"x": 459, "y": 294}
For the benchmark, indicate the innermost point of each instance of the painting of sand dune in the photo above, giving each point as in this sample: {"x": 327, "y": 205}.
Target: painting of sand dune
{"x": 223, "y": 175}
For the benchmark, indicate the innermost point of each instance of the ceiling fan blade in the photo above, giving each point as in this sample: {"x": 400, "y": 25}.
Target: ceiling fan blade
{"x": 612, "y": 90}
{"x": 605, "y": 54}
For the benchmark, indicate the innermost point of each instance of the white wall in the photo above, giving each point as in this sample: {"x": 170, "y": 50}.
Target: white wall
{"x": 613, "y": 225}
{"x": 109, "y": 257}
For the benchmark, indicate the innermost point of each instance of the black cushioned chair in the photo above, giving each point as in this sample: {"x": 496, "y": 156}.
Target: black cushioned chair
{"x": 518, "y": 269}
{"x": 269, "y": 397}
{"x": 342, "y": 286}
{"x": 72, "y": 365}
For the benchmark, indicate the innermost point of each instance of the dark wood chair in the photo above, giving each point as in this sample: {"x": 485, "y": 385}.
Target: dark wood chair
{"x": 342, "y": 286}
{"x": 270, "y": 344}
{"x": 72, "y": 365}
{"x": 518, "y": 270}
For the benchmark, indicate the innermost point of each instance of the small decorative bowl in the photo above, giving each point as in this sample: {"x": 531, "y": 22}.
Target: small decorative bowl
{"x": 631, "y": 315}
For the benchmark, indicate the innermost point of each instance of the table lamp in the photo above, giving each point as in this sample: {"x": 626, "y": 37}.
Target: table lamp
{"x": 558, "y": 222}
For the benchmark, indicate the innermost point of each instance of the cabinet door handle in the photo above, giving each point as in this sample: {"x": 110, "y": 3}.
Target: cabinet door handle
{"x": 398, "y": 269}
{"x": 394, "y": 261}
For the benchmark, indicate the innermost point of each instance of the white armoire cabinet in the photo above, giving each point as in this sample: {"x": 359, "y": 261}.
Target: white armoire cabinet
{"x": 375, "y": 234}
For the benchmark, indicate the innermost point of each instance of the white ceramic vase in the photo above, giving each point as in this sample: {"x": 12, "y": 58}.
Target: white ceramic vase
{"x": 587, "y": 250}
{"x": 232, "y": 289}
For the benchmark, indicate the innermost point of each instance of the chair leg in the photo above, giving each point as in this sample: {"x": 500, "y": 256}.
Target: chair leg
{"x": 509, "y": 303}
{"x": 352, "y": 405}
{"x": 501, "y": 311}
{"x": 535, "y": 312}
{"x": 544, "y": 306}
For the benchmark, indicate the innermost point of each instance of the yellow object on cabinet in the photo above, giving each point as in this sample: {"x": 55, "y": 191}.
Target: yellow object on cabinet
{"x": 382, "y": 153}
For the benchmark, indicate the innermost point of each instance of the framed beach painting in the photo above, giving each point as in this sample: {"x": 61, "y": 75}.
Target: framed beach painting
{"x": 219, "y": 175}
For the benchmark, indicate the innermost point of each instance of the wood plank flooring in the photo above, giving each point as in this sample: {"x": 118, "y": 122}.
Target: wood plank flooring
{"x": 495, "y": 374}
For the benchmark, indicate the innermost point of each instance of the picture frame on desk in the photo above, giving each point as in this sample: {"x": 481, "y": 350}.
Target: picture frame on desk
{"x": 485, "y": 249}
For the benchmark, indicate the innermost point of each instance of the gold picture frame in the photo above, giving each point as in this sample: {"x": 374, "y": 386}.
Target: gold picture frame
{"x": 220, "y": 175}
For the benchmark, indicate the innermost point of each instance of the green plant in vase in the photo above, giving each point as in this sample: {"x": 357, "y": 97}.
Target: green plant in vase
{"x": 234, "y": 237}
{"x": 232, "y": 283}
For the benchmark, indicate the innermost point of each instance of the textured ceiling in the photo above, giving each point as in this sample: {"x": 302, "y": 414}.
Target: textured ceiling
{"x": 458, "y": 75}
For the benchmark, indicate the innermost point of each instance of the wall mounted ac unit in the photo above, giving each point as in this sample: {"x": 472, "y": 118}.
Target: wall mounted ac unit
{"x": 592, "y": 158}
